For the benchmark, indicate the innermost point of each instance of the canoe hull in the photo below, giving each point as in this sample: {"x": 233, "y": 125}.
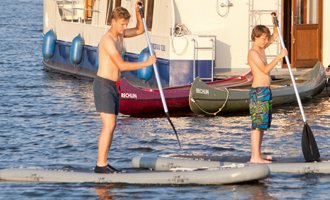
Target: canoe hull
{"x": 205, "y": 99}
{"x": 145, "y": 99}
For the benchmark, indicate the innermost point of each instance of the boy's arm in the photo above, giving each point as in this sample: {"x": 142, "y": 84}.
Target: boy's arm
{"x": 273, "y": 36}
{"x": 122, "y": 65}
{"x": 138, "y": 29}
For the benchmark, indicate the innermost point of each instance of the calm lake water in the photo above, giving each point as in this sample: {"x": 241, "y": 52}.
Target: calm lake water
{"x": 49, "y": 121}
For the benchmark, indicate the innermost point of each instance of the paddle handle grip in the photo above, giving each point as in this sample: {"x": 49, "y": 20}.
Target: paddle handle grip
{"x": 275, "y": 20}
{"x": 141, "y": 9}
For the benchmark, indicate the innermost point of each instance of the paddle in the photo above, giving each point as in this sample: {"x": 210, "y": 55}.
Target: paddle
{"x": 308, "y": 143}
{"x": 156, "y": 73}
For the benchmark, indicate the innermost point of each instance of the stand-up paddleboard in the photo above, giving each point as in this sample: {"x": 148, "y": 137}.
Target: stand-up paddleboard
{"x": 293, "y": 165}
{"x": 210, "y": 176}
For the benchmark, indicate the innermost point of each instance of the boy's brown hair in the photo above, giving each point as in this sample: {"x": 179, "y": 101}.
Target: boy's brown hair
{"x": 258, "y": 31}
{"x": 120, "y": 13}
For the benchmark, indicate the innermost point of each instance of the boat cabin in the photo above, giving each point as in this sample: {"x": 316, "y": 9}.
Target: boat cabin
{"x": 190, "y": 38}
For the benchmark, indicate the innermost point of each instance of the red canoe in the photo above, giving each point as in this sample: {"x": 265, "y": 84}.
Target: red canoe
{"x": 137, "y": 100}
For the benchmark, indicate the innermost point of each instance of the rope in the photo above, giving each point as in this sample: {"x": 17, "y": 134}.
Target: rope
{"x": 181, "y": 30}
{"x": 219, "y": 110}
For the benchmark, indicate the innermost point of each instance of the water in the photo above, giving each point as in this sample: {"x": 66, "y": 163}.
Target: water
{"x": 49, "y": 121}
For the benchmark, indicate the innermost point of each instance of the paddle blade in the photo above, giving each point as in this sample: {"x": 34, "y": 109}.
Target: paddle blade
{"x": 176, "y": 134}
{"x": 309, "y": 146}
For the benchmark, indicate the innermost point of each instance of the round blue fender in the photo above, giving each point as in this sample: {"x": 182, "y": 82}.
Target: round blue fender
{"x": 48, "y": 46}
{"x": 146, "y": 72}
{"x": 76, "y": 49}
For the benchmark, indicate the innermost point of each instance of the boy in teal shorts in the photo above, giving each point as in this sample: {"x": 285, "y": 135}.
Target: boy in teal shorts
{"x": 260, "y": 93}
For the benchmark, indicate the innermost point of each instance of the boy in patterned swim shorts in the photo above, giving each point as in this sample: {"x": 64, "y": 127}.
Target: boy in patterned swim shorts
{"x": 260, "y": 93}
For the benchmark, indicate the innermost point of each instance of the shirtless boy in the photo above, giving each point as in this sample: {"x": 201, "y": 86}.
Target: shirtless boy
{"x": 111, "y": 64}
{"x": 260, "y": 93}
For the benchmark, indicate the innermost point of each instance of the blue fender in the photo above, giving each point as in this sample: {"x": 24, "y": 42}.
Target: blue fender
{"x": 48, "y": 45}
{"x": 146, "y": 72}
{"x": 76, "y": 49}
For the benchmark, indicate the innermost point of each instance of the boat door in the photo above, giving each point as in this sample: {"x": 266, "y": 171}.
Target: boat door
{"x": 306, "y": 32}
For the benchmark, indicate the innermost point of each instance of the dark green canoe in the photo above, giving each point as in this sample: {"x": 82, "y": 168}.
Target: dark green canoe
{"x": 205, "y": 99}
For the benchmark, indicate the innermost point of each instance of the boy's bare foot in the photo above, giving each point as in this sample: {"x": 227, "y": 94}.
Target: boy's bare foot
{"x": 260, "y": 160}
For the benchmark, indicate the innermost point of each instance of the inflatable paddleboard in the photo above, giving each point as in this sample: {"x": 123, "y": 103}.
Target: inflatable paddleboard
{"x": 296, "y": 165}
{"x": 210, "y": 176}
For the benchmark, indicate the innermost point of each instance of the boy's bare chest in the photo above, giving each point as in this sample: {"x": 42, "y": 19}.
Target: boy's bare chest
{"x": 262, "y": 56}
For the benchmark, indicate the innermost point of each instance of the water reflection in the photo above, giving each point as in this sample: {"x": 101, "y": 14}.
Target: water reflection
{"x": 103, "y": 191}
{"x": 252, "y": 190}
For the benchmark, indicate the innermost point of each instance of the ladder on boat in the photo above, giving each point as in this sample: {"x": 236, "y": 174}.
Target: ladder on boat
{"x": 205, "y": 49}
{"x": 260, "y": 13}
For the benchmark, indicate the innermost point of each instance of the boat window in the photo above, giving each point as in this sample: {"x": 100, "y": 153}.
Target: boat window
{"x": 89, "y": 8}
{"x": 109, "y": 10}
{"x": 76, "y": 10}
{"x": 111, "y": 5}
{"x": 307, "y": 12}
{"x": 149, "y": 11}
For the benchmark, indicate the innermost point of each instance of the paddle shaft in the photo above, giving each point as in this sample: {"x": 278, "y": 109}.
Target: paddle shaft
{"x": 157, "y": 74}
{"x": 290, "y": 70}
{"x": 154, "y": 65}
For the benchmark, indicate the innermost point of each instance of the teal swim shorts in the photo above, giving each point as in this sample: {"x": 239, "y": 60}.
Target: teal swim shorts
{"x": 261, "y": 107}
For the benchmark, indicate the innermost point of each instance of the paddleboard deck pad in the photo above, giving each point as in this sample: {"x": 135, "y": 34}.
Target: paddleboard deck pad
{"x": 288, "y": 165}
{"x": 184, "y": 176}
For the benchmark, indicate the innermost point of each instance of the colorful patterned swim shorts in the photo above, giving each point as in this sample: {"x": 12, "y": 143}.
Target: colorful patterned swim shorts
{"x": 261, "y": 107}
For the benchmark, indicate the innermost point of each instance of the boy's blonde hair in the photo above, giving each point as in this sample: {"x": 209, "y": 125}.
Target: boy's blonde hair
{"x": 120, "y": 13}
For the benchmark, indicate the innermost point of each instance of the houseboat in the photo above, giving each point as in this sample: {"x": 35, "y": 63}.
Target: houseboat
{"x": 191, "y": 38}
